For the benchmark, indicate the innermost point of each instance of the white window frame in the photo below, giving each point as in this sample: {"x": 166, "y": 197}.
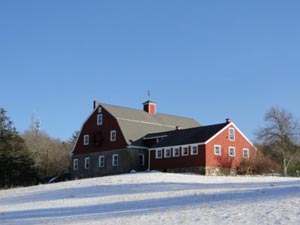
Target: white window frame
{"x": 115, "y": 160}
{"x": 87, "y": 163}
{"x": 165, "y": 153}
{"x": 101, "y": 161}
{"x": 174, "y": 151}
{"x": 143, "y": 159}
{"x": 86, "y": 139}
{"x": 247, "y": 154}
{"x": 192, "y": 150}
{"x": 231, "y": 134}
{"x": 229, "y": 148}
{"x": 75, "y": 164}
{"x": 182, "y": 150}
{"x": 215, "y": 150}
{"x": 99, "y": 119}
{"x": 113, "y": 135}
{"x": 100, "y": 109}
{"x": 157, "y": 153}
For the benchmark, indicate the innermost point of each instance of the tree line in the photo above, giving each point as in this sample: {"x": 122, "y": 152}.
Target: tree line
{"x": 33, "y": 156}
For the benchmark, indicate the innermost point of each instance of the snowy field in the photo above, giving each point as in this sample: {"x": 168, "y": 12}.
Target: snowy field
{"x": 156, "y": 198}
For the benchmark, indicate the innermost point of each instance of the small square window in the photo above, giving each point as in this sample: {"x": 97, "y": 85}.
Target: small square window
{"x": 86, "y": 139}
{"x": 167, "y": 153}
{"x": 99, "y": 119}
{"x": 194, "y": 150}
{"x": 113, "y": 135}
{"x": 231, "y": 135}
{"x": 245, "y": 153}
{"x": 87, "y": 163}
{"x": 231, "y": 151}
{"x": 101, "y": 161}
{"x": 185, "y": 151}
{"x": 75, "y": 164}
{"x": 115, "y": 160}
{"x": 158, "y": 154}
{"x": 141, "y": 161}
{"x": 175, "y": 152}
{"x": 217, "y": 150}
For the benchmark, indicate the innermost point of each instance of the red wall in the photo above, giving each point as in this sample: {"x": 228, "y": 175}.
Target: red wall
{"x": 178, "y": 162}
{"x": 222, "y": 139}
{"x": 91, "y": 127}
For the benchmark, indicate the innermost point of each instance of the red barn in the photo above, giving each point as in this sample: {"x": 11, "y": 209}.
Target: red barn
{"x": 116, "y": 140}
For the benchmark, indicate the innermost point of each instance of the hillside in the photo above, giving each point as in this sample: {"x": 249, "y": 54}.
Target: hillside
{"x": 156, "y": 198}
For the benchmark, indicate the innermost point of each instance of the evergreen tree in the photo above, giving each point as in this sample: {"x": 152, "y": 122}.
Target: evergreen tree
{"x": 16, "y": 163}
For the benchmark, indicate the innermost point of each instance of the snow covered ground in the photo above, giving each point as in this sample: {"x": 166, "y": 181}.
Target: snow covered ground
{"x": 156, "y": 198}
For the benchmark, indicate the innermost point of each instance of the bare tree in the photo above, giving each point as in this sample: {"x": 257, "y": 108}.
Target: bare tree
{"x": 281, "y": 134}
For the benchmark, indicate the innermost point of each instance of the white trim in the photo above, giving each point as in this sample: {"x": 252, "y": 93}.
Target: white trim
{"x": 113, "y": 135}
{"x": 237, "y": 129}
{"x": 231, "y": 147}
{"x": 248, "y": 152}
{"x": 86, "y": 139}
{"x": 182, "y": 150}
{"x": 173, "y": 152}
{"x": 87, "y": 165}
{"x": 156, "y": 153}
{"x": 137, "y": 147}
{"x": 165, "y": 150}
{"x": 139, "y": 159}
{"x": 178, "y": 146}
{"x": 192, "y": 153}
{"x": 77, "y": 164}
{"x": 215, "y": 150}
{"x": 113, "y": 160}
{"x": 99, "y": 163}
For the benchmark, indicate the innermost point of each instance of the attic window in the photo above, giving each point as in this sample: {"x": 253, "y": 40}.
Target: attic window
{"x": 113, "y": 135}
{"x": 231, "y": 134}
{"x": 99, "y": 119}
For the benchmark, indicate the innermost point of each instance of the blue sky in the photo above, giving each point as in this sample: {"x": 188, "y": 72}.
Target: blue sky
{"x": 207, "y": 60}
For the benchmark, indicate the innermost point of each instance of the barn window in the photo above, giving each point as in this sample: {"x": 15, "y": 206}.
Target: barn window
{"x": 158, "y": 153}
{"x": 101, "y": 161}
{"x": 167, "y": 152}
{"x": 87, "y": 163}
{"x": 86, "y": 139}
{"x": 217, "y": 150}
{"x": 175, "y": 152}
{"x": 113, "y": 135}
{"x": 245, "y": 153}
{"x": 99, "y": 119}
{"x": 141, "y": 161}
{"x": 185, "y": 151}
{"x": 194, "y": 150}
{"x": 231, "y": 135}
{"x": 231, "y": 151}
{"x": 75, "y": 164}
{"x": 115, "y": 159}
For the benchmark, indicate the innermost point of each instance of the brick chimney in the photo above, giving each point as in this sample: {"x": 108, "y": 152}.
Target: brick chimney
{"x": 150, "y": 107}
{"x": 95, "y": 104}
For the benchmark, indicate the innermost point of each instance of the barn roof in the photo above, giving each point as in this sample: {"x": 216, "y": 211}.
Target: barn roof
{"x": 188, "y": 136}
{"x": 135, "y": 124}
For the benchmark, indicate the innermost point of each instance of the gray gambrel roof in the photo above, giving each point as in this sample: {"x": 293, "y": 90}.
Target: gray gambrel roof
{"x": 135, "y": 123}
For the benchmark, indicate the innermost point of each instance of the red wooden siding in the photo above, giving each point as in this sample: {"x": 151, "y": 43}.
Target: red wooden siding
{"x": 178, "y": 162}
{"x": 222, "y": 139}
{"x": 91, "y": 128}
